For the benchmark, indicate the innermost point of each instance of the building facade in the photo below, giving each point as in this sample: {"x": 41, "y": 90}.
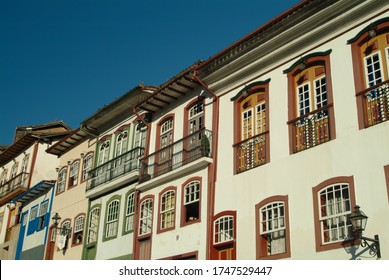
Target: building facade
{"x": 263, "y": 151}
{"x": 23, "y": 165}
{"x": 76, "y": 157}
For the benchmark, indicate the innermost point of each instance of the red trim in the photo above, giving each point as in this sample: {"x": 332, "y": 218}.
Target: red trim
{"x": 158, "y": 132}
{"x": 66, "y": 180}
{"x": 124, "y": 126}
{"x": 83, "y": 230}
{"x": 186, "y": 114}
{"x": 315, "y": 190}
{"x": 261, "y": 247}
{"x": 225, "y": 245}
{"x": 83, "y": 164}
{"x": 183, "y": 221}
{"x": 68, "y": 175}
{"x": 105, "y": 137}
{"x": 144, "y": 236}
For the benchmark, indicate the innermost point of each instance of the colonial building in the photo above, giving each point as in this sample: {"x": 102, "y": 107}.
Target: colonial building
{"x": 23, "y": 165}
{"x": 302, "y": 134}
{"x": 36, "y": 204}
{"x": 76, "y": 156}
{"x": 120, "y": 136}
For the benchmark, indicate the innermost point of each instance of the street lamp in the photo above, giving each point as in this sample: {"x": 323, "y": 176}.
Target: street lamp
{"x": 62, "y": 231}
{"x": 358, "y": 221}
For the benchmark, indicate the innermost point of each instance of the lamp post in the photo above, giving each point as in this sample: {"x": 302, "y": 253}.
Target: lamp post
{"x": 64, "y": 230}
{"x": 358, "y": 220}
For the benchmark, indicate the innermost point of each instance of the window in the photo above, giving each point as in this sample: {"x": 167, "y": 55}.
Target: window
{"x": 104, "y": 152}
{"x": 14, "y": 170}
{"x": 334, "y": 200}
{"x": 196, "y": 117}
{"x": 78, "y": 230}
{"x": 191, "y": 201}
{"x": 121, "y": 143}
{"x": 251, "y": 126}
{"x": 140, "y": 135}
{"x": 62, "y": 180}
{"x": 87, "y": 166}
{"x": 3, "y": 177}
{"x": 272, "y": 228}
{"x": 25, "y": 164}
{"x": 93, "y": 226}
{"x": 43, "y": 218}
{"x": 111, "y": 227}
{"x": 311, "y": 117}
{"x": 130, "y": 210}
{"x": 163, "y": 157}
{"x": 167, "y": 209}
{"x": 146, "y": 217}
{"x": 34, "y": 213}
{"x": 371, "y": 69}
{"x": 73, "y": 176}
{"x": 223, "y": 229}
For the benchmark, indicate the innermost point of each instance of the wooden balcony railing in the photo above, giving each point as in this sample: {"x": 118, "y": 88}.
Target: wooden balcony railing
{"x": 180, "y": 153}
{"x": 17, "y": 182}
{"x": 375, "y": 102}
{"x": 251, "y": 152}
{"x": 114, "y": 168}
{"x": 311, "y": 129}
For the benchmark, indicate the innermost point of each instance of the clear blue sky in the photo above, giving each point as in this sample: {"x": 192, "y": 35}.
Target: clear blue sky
{"x": 63, "y": 59}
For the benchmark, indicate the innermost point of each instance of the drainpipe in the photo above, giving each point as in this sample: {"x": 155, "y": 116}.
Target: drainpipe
{"x": 212, "y": 171}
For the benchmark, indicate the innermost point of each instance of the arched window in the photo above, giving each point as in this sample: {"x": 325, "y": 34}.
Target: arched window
{"x": 78, "y": 232}
{"x": 61, "y": 183}
{"x": 73, "y": 174}
{"x": 130, "y": 210}
{"x": 104, "y": 152}
{"x": 251, "y": 107}
{"x": 121, "y": 143}
{"x": 93, "y": 226}
{"x": 370, "y": 51}
{"x": 146, "y": 217}
{"x": 223, "y": 229}
{"x": 167, "y": 209}
{"x": 272, "y": 228}
{"x": 334, "y": 200}
{"x": 87, "y": 166}
{"x": 191, "y": 202}
{"x": 311, "y": 117}
{"x": 111, "y": 227}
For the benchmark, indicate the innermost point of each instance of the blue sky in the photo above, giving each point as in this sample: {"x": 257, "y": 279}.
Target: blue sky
{"x": 64, "y": 59}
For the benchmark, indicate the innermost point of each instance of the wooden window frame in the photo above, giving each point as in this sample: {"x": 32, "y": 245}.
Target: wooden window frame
{"x": 315, "y": 192}
{"x": 65, "y": 170}
{"x": 260, "y": 92}
{"x": 184, "y": 213}
{"x": 363, "y": 42}
{"x": 147, "y": 234}
{"x": 162, "y": 212}
{"x": 114, "y": 220}
{"x": 76, "y": 233}
{"x": 85, "y": 170}
{"x": 298, "y": 74}
{"x": 71, "y": 183}
{"x": 260, "y": 245}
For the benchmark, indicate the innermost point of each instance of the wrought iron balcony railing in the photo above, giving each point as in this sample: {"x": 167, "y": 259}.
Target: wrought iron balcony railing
{"x": 311, "y": 129}
{"x": 19, "y": 181}
{"x": 114, "y": 168}
{"x": 180, "y": 153}
{"x": 251, "y": 152}
{"x": 375, "y": 102}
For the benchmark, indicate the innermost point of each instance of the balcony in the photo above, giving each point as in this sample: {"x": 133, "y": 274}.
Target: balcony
{"x": 13, "y": 187}
{"x": 375, "y": 102}
{"x": 103, "y": 178}
{"x": 251, "y": 152}
{"x": 183, "y": 156}
{"x": 311, "y": 129}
